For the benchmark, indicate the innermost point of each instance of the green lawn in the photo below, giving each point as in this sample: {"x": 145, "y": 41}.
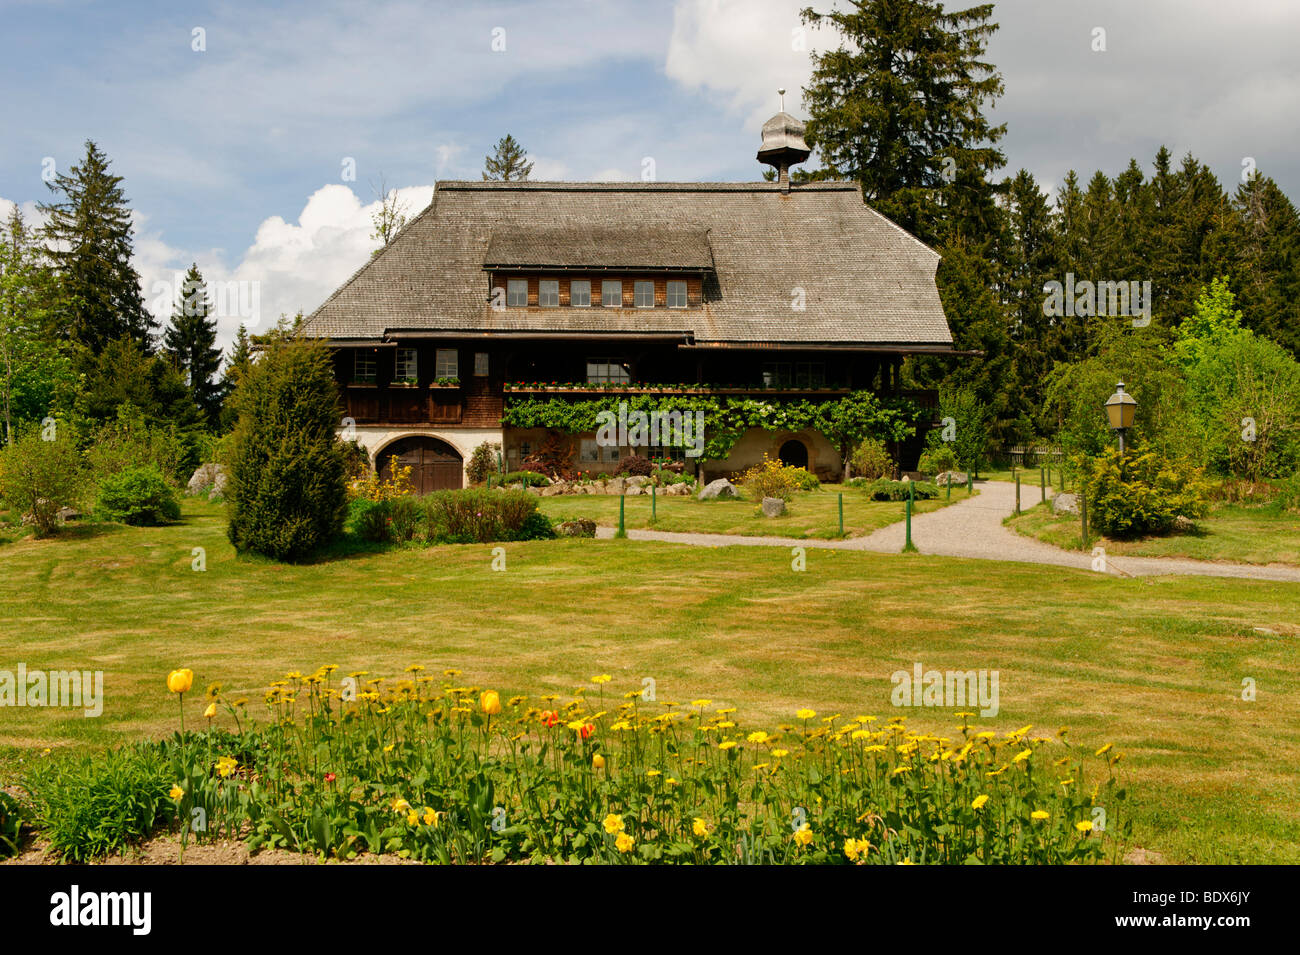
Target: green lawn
{"x": 1247, "y": 535}
{"x": 1154, "y": 665}
{"x": 813, "y": 514}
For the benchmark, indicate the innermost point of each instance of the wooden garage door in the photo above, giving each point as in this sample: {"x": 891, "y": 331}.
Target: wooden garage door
{"x": 434, "y": 464}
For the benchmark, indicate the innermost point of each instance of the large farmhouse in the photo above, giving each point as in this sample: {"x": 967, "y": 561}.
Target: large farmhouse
{"x": 500, "y": 291}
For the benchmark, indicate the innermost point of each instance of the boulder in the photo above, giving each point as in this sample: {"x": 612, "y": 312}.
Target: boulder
{"x": 615, "y": 486}
{"x": 207, "y": 478}
{"x": 680, "y": 489}
{"x": 721, "y": 488}
{"x": 1183, "y": 525}
{"x": 634, "y": 489}
{"x": 638, "y": 480}
{"x": 773, "y": 507}
{"x": 953, "y": 477}
{"x": 553, "y": 489}
{"x": 579, "y": 528}
{"x": 1065, "y": 504}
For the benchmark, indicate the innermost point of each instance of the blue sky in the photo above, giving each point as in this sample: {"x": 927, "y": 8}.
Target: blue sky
{"x": 234, "y": 156}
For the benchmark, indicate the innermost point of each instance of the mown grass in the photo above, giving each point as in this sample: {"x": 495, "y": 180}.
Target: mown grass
{"x": 813, "y": 514}
{"x": 1246, "y": 535}
{"x": 1153, "y": 664}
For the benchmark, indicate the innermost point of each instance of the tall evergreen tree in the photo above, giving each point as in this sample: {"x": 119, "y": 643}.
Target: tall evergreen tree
{"x": 899, "y": 106}
{"x": 238, "y": 364}
{"x": 191, "y": 340}
{"x": 1267, "y": 250}
{"x": 509, "y": 163}
{"x": 89, "y": 233}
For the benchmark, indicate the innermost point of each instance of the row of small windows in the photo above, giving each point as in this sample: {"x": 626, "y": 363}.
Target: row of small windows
{"x": 406, "y": 367}
{"x": 611, "y": 293}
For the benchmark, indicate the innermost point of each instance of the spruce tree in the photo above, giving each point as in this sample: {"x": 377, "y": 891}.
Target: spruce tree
{"x": 899, "y": 106}
{"x": 508, "y": 164}
{"x": 238, "y": 363}
{"x": 89, "y": 232}
{"x": 191, "y": 340}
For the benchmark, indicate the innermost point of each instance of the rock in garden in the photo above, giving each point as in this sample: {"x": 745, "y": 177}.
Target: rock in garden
{"x": 206, "y": 478}
{"x": 638, "y": 480}
{"x": 615, "y": 486}
{"x": 634, "y": 489}
{"x": 553, "y": 489}
{"x": 1065, "y": 504}
{"x": 579, "y": 528}
{"x": 773, "y": 507}
{"x": 953, "y": 477}
{"x": 1183, "y": 525}
{"x": 720, "y": 488}
{"x": 680, "y": 489}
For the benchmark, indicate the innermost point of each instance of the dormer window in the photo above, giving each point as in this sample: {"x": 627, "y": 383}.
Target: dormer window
{"x": 548, "y": 293}
{"x": 611, "y": 293}
{"x": 580, "y": 293}
{"x": 676, "y": 294}
{"x": 643, "y": 294}
{"x": 517, "y": 293}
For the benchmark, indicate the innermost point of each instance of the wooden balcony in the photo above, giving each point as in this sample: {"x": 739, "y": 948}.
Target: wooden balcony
{"x": 423, "y": 405}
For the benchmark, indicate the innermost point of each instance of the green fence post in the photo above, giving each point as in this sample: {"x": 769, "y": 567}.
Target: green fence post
{"x": 841, "y": 513}
{"x": 654, "y": 514}
{"x": 622, "y": 527}
{"x": 970, "y": 483}
{"x": 1042, "y": 485}
{"x": 949, "y": 483}
{"x": 1083, "y": 513}
{"x": 1017, "y": 492}
{"x": 909, "y": 546}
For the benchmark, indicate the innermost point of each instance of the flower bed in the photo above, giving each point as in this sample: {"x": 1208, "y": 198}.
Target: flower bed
{"x": 438, "y": 771}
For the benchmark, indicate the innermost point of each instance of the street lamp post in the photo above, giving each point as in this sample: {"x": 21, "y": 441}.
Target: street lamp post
{"x": 1121, "y": 409}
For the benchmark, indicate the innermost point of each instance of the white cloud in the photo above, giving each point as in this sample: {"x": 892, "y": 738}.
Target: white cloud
{"x": 289, "y": 266}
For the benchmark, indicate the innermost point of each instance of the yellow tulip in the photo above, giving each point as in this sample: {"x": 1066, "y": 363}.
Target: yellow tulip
{"x": 598, "y": 761}
{"x": 180, "y": 681}
{"x": 211, "y": 711}
{"x": 490, "y": 702}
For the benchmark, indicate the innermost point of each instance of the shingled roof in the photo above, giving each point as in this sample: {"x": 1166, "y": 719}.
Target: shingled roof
{"x": 864, "y": 280}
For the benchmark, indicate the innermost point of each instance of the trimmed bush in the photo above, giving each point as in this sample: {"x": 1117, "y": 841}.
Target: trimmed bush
{"x": 526, "y": 478}
{"x": 636, "y": 465}
{"x": 938, "y": 460}
{"x": 804, "y": 479}
{"x": 139, "y": 496}
{"x": 477, "y": 516}
{"x": 288, "y": 486}
{"x": 886, "y": 490}
{"x": 482, "y": 462}
{"x": 1141, "y": 493}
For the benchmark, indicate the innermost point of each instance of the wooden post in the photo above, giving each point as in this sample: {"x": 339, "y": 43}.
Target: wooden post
{"x": 1083, "y": 513}
{"x": 653, "y": 512}
{"x": 949, "y": 483}
{"x": 622, "y": 527}
{"x": 1017, "y": 492}
{"x": 909, "y": 545}
{"x": 1042, "y": 485}
{"x": 841, "y": 505}
{"x": 970, "y": 483}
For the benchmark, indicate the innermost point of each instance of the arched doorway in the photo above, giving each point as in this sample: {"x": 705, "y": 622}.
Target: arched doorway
{"x": 435, "y": 465}
{"x": 794, "y": 454}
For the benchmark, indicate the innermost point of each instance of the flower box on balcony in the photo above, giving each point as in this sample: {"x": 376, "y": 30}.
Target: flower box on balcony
{"x": 362, "y": 384}
{"x": 404, "y": 384}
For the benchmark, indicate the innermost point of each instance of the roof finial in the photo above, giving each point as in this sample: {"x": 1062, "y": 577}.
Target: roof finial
{"x": 781, "y": 92}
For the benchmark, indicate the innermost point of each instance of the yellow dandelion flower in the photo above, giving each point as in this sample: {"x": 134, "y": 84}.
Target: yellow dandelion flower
{"x": 979, "y": 802}
{"x": 805, "y": 714}
{"x": 613, "y": 823}
{"x": 624, "y": 842}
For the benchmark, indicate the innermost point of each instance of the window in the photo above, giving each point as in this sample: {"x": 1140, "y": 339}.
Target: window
{"x": 800, "y": 374}
{"x": 363, "y": 366}
{"x": 611, "y": 293}
{"x": 643, "y": 294}
{"x": 447, "y": 365}
{"x": 405, "y": 367}
{"x": 480, "y": 364}
{"x": 776, "y": 374}
{"x": 548, "y": 293}
{"x": 676, "y": 294}
{"x": 517, "y": 292}
{"x": 580, "y": 293}
{"x": 607, "y": 371}
{"x": 593, "y": 453}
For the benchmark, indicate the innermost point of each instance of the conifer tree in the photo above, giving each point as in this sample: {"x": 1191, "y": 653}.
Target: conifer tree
{"x": 89, "y": 234}
{"x": 509, "y": 163}
{"x": 191, "y": 340}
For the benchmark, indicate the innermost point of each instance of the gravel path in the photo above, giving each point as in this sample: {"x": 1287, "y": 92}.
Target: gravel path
{"x": 973, "y": 528}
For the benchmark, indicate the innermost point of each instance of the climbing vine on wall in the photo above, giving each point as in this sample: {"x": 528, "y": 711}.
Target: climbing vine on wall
{"x": 845, "y": 421}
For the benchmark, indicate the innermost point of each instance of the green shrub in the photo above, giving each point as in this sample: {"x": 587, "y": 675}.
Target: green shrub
{"x": 1141, "y": 493}
{"x": 770, "y": 479}
{"x": 666, "y": 477}
{"x": 288, "y": 489}
{"x": 1288, "y": 493}
{"x": 870, "y": 460}
{"x": 526, "y": 478}
{"x": 482, "y": 462}
{"x": 138, "y": 495}
{"x": 938, "y": 460}
{"x": 11, "y": 825}
{"x": 474, "y": 516}
{"x": 39, "y": 477}
{"x": 887, "y": 490}
{"x": 804, "y": 479}
{"x": 369, "y": 519}
{"x": 93, "y": 805}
